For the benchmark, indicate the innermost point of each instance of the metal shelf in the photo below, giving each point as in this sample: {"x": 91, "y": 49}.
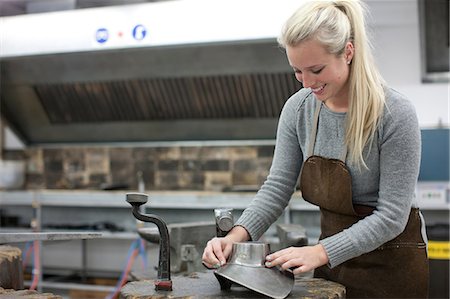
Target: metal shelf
{"x": 192, "y": 200}
{"x": 116, "y": 199}
{"x": 434, "y": 206}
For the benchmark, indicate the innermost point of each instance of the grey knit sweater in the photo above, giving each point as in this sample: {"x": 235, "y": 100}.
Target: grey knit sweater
{"x": 389, "y": 184}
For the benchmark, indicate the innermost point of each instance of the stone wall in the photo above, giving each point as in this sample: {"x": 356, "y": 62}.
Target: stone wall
{"x": 203, "y": 168}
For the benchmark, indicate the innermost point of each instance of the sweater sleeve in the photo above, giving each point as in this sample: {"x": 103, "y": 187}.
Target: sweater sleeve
{"x": 275, "y": 193}
{"x": 399, "y": 161}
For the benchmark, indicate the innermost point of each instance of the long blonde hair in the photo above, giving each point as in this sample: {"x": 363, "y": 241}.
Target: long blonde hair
{"x": 333, "y": 24}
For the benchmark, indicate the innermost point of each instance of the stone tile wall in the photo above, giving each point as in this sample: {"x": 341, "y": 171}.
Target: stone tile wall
{"x": 203, "y": 168}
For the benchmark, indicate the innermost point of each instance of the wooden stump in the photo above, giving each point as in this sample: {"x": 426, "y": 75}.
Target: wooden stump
{"x": 204, "y": 285}
{"x": 26, "y": 294}
{"x": 11, "y": 274}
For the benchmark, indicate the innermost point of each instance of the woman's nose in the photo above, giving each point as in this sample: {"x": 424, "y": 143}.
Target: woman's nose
{"x": 308, "y": 80}
{"x": 299, "y": 78}
{"x": 305, "y": 80}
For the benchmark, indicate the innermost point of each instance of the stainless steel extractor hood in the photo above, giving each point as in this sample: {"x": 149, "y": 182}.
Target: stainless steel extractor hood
{"x": 219, "y": 90}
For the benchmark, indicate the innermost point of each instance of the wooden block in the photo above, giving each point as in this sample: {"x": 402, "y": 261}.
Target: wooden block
{"x": 83, "y": 294}
{"x": 26, "y": 294}
{"x": 11, "y": 274}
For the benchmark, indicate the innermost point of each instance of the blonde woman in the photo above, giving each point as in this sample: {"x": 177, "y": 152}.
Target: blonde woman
{"x": 355, "y": 144}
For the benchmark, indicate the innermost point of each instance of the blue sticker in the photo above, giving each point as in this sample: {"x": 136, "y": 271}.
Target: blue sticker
{"x": 139, "y": 32}
{"x": 101, "y": 35}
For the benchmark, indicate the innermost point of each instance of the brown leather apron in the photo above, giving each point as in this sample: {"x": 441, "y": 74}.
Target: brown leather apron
{"x": 397, "y": 269}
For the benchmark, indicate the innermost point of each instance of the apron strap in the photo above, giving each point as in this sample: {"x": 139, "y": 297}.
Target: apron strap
{"x": 312, "y": 138}
{"x": 344, "y": 154}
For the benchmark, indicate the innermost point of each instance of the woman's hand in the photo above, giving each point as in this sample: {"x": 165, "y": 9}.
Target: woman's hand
{"x": 217, "y": 250}
{"x": 301, "y": 259}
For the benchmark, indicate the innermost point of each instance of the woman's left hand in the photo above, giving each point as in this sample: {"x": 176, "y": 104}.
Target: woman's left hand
{"x": 300, "y": 259}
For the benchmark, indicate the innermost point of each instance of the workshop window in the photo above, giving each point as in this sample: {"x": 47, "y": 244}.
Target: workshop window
{"x": 434, "y": 29}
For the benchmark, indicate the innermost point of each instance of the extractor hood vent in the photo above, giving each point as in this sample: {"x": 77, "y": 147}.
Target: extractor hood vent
{"x": 213, "y": 97}
{"x": 214, "y": 91}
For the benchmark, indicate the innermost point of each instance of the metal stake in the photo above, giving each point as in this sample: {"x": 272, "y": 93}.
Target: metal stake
{"x": 163, "y": 282}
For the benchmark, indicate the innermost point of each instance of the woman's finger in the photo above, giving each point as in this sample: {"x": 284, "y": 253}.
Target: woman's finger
{"x": 209, "y": 258}
{"x": 218, "y": 253}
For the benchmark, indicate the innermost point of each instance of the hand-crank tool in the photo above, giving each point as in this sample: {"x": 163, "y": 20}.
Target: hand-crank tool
{"x": 163, "y": 281}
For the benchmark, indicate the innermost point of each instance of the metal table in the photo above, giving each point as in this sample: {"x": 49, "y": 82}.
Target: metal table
{"x": 13, "y": 278}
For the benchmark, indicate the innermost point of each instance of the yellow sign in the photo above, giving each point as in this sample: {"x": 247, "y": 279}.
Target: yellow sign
{"x": 439, "y": 250}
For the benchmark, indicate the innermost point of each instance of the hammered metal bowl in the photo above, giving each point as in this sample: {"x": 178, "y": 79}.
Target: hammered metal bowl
{"x": 246, "y": 267}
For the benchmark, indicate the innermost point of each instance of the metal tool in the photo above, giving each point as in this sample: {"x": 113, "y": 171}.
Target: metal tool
{"x": 163, "y": 281}
{"x": 224, "y": 221}
{"x": 183, "y": 234}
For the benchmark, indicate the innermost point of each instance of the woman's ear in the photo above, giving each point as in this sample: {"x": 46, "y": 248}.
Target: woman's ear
{"x": 349, "y": 52}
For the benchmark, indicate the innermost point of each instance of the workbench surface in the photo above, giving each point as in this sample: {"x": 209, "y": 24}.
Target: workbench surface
{"x": 202, "y": 285}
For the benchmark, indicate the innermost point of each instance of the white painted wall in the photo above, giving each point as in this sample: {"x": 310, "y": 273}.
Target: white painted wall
{"x": 11, "y": 140}
{"x": 397, "y": 50}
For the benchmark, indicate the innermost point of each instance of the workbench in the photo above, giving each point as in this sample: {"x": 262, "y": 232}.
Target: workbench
{"x": 204, "y": 285}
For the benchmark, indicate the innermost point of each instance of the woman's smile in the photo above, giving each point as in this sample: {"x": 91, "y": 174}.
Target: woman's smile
{"x": 318, "y": 90}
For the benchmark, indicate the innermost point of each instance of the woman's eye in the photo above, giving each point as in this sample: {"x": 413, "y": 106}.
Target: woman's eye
{"x": 316, "y": 72}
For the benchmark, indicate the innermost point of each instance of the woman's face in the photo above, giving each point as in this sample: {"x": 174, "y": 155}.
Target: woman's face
{"x": 326, "y": 74}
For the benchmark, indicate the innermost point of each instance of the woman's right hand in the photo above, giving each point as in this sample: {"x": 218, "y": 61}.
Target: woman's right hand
{"x": 217, "y": 250}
